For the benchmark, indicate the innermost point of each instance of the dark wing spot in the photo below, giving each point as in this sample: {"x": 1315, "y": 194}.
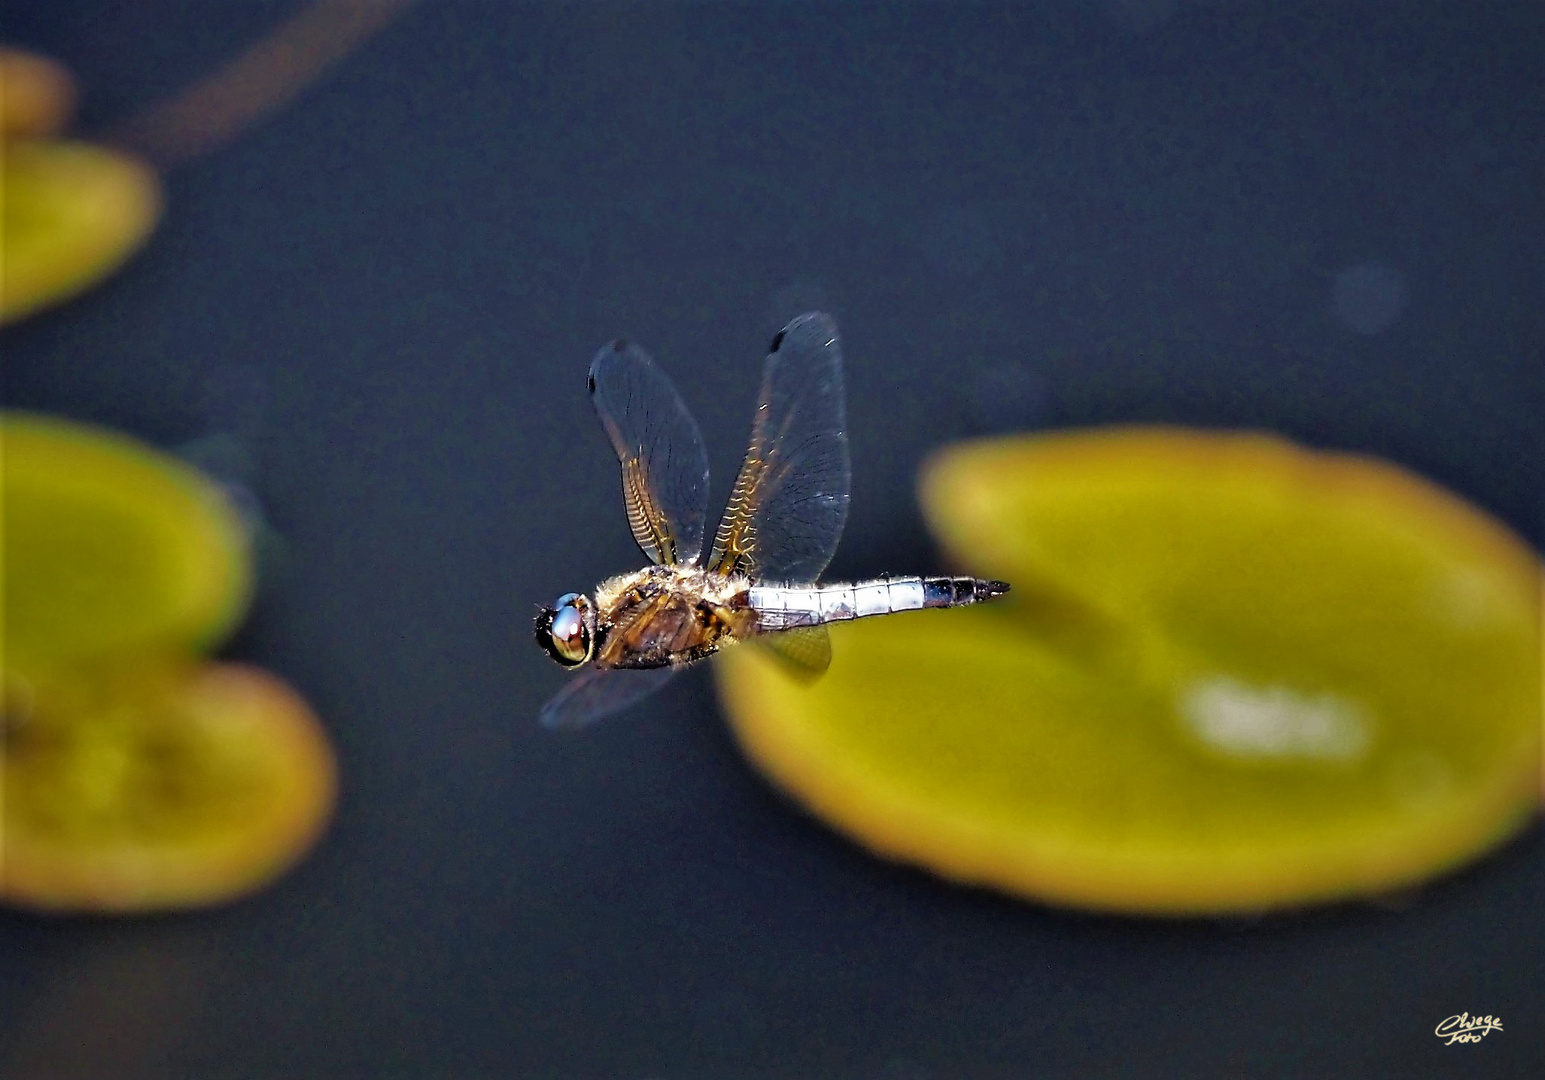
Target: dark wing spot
{"x": 777, "y": 340}
{"x": 590, "y": 383}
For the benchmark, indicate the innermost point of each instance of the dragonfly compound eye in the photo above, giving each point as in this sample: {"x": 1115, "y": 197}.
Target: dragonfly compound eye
{"x": 564, "y": 630}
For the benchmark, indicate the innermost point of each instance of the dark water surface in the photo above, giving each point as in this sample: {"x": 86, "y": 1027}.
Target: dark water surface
{"x": 1324, "y": 219}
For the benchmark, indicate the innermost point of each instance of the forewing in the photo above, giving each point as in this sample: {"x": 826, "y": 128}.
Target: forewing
{"x": 600, "y": 692}
{"x": 664, "y": 465}
{"x": 806, "y": 651}
{"x": 790, "y": 500}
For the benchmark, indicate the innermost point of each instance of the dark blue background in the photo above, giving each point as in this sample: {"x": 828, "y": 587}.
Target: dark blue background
{"x": 1022, "y": 215}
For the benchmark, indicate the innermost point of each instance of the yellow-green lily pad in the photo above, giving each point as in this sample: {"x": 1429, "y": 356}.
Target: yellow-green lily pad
{"x": 110, "y": 547}
{"x": 154, "y": 787}
{"x": 1234, "y": 674}
{"x": 71, "y": 214}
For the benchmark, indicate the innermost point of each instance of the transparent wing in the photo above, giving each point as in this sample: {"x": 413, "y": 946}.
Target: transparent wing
{"x": 664, "y": 465}
{"x": 600, "y": 692}
{"x": 806, "y": 651}
{"x": 790, "y": 500}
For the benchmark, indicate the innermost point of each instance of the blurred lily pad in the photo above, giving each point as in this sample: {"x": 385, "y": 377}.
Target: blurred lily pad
{"x": 110, "y": 547}
{"x": 37, "y": 95}
{"x": 72, "y": 214}
{"x": 144, "y": 788}
{"x": 1234, "y": 674}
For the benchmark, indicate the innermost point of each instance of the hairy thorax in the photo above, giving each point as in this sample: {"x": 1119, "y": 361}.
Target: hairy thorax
{"x": 668, "y": 615}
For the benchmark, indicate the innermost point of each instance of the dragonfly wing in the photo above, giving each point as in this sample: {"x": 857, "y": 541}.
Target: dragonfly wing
{"x": 806, "y": 651}
{"x": 790, "y": 500}
{"x": 664, "y": 464}
{"x": 600, "y": 692}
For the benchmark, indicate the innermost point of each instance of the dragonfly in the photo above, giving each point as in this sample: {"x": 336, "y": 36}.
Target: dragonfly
{"x": 759, "y": 580}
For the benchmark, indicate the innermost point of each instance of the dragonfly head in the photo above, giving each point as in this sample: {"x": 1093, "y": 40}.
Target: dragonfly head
{"x": 567, "y": 629}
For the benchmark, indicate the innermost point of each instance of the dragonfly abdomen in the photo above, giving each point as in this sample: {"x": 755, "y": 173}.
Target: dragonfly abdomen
{"x": 782, "y": 607}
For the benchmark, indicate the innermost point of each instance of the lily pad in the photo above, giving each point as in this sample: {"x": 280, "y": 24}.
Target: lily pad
{"x": 1234, "y": 674}
{"x": 110, "y": 547}
{"x": 37, "y": 95}
{"x": 72, "y": 214}
{"x": 156, "y": 788}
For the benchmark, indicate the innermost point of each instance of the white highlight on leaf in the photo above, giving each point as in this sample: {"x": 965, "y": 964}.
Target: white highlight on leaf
{"x": 1274, "y": 722}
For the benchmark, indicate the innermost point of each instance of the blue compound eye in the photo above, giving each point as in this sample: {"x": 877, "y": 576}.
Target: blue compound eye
{"x": 564, "y": 630}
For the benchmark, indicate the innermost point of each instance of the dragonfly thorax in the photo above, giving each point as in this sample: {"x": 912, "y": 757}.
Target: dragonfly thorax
{"x": 667, "y": 615}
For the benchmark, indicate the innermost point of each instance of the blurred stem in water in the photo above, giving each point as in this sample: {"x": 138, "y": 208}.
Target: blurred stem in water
{"x": 269, "y": 74}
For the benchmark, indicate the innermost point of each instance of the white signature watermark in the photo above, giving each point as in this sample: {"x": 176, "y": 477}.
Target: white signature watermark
{"x": 1465, "y": 1028}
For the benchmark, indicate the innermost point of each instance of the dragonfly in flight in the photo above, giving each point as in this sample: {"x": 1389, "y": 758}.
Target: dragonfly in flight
{"x": 759, "y": 581}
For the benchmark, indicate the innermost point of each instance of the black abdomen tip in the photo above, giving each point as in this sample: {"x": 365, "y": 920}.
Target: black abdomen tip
{"x": 954, "y": 591}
